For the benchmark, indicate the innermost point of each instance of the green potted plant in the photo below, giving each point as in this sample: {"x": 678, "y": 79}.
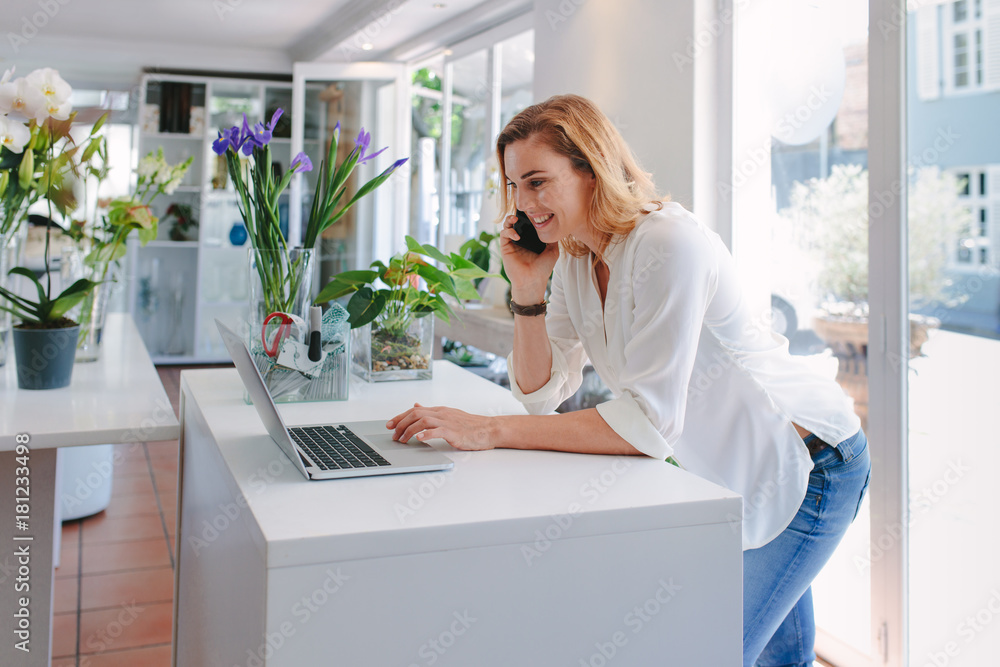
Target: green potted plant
{"x": 830, "y": 220}
{"x": 184, "y": 226}
{"x": 38, "y": 161}
{"x": 388, "y": 309}
{"x": 45, "y": 339}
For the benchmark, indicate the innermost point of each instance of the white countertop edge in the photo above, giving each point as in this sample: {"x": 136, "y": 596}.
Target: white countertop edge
{"x": 387, "y": 544}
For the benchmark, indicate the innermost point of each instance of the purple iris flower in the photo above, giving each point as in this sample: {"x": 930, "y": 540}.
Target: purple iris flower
{"x": 262, "y": 133}
{"x": 221, "y": 145}
{"x": 246, "y": 143}
{"x": 301, "y": 162}
{"x": 361, "y": 143}
{"x": 395, "y": 165}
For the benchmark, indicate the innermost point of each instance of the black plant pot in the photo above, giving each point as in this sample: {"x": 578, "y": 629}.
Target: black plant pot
{"x": 45, "y": 357}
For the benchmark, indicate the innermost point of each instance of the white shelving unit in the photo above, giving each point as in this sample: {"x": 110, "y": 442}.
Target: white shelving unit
{"x": 178, "y": 288}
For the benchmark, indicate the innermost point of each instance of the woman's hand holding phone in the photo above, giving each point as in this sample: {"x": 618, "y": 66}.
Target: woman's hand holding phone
{"x": 528, "y": 271}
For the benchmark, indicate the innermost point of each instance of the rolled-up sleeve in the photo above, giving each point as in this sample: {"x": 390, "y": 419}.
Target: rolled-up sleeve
{"x": 673, "y": 278}
{"x": 568, "y": 355}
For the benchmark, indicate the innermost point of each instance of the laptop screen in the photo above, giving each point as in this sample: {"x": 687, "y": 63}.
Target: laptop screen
{"x": 259, "y": 395}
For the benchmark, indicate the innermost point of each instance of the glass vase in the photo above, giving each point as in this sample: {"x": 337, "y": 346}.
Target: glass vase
{"x": 280, "y": 296}
{"x": 10, "y": 251}
{"x": 381, "y": 355}
{"x": 92, "y": 312}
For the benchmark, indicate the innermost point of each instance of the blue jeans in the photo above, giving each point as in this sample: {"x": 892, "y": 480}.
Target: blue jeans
{"x": 778, "y": 625}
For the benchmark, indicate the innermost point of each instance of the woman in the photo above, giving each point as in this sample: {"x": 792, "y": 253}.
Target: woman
{"x": 651, "y": 297}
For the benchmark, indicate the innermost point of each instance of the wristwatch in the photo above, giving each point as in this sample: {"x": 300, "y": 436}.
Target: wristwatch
{"x": 528, "y": 311}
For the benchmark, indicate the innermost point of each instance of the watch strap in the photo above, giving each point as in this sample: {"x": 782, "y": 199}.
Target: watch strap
{"x": 528, "y": 311}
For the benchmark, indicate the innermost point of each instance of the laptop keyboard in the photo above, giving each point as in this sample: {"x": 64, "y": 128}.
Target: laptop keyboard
{"x": 335, "y": 448}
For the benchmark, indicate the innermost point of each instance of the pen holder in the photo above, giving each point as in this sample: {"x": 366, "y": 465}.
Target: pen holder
{"x": 288, "y": 384}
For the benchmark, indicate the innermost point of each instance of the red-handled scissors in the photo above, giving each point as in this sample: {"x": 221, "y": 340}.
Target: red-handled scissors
{"x": 280, "y": 333}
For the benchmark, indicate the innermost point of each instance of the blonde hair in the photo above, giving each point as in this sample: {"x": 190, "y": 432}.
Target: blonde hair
{"x": 573, "y": 126}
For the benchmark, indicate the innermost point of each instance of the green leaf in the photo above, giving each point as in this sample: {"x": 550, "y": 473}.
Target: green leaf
{"x": 466, "y": 290}
{"x": 470, "y": 274}
{"x": 365, "y": 306}
{"x": 431, "y": 251}
{"x": 459, "y": 262}
{"x": 437, "y": 279}
{"x": 30, "y": 275}
{"x": 413, "y": 246}
{"x": 344, "y": 283}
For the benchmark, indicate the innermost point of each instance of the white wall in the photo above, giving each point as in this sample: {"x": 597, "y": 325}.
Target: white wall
{"x": 101, "y": 62}
{"x": 629, "y": 57}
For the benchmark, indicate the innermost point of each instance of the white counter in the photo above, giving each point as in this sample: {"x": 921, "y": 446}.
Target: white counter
{"x": 118, "y": 399}
{"x": 548, "y": 551}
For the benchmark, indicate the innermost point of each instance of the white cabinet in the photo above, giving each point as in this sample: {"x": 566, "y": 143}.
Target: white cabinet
{"x": 178, "y": 287}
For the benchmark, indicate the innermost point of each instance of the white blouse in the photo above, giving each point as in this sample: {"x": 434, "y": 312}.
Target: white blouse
{"x": 693, "y": 373}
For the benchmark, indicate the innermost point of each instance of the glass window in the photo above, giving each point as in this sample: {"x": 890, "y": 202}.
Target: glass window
{"x": 428, "y": 120}
{"x": 960, "y": 11}
{"x": 800, "y": 228}
{"x": 979, "y": 57}
{"x": 468, "y": 141}
{"x": 961, "y": 61}
{"x": 518, "y": 71}
{"x": 953, "y": 382}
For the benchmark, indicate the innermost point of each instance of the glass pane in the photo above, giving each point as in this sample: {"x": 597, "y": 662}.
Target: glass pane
{"x": 517, "y": 74}
{"x": 468, "y": 142}
{"x": 428, "y": 118}
{"x": 802, "y": 94}
{"x": 352, "y": 104}
{"x": 954, "y": 376}
{"x": 231, "y": 100}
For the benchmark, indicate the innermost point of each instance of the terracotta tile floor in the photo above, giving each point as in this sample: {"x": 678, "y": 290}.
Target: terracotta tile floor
{"x": 114, "y": 586}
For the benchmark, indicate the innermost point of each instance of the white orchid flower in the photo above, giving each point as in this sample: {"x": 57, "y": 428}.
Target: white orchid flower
{"x": 19, "y": 98}
{"x": 6, "y": 75}
{"x": 55, "y": 109}
{"x": 14, "y": 135}
{"x": 48, "y": 82}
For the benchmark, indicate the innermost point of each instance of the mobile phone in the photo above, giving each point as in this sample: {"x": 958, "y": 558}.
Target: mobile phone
{"x": 529, "y": 236}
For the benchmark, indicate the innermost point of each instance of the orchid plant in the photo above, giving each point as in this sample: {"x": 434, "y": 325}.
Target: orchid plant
{"x": 38, "y": 160}
{"x": 36, "y": 149}
{"x": 259, "y": 191}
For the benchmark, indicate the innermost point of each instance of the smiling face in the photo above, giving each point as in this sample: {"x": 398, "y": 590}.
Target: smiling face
{"x": 546, "y": 186}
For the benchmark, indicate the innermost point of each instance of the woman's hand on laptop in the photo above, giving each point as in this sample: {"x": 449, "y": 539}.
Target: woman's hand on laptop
{"x": 459, "y": 429}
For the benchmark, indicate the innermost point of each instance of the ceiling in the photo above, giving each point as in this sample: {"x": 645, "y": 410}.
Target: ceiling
{"x": 110, "y": 41}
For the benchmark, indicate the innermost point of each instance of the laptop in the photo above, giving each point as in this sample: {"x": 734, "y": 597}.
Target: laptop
{"x": 331, "y": 451}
